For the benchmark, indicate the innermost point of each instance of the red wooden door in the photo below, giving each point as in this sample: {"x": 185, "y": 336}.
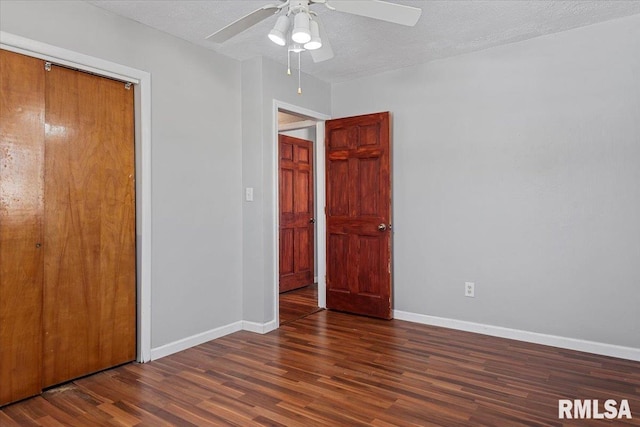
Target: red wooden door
{"x": 296, "y": 212}
{"x": 359, "y": 215}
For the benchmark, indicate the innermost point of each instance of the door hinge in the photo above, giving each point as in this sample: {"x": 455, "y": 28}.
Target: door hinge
{"x": 47, "y": 66}
{"x": 127, "y": 85}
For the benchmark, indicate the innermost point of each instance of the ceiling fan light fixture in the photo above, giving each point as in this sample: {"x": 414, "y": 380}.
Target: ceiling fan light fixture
{"x": 301, "y": 33}
{"x": 278, "y": 34}
{"x": 315, "y": 42}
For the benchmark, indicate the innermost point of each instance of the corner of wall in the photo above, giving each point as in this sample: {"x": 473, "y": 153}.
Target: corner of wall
{"x": 252, "y": 212}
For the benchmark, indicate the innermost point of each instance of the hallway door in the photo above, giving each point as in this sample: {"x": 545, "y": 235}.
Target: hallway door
{"x": 296, "y": 205}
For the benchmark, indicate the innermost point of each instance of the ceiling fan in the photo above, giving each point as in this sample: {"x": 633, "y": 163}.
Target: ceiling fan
{"x": 307, "y": 32}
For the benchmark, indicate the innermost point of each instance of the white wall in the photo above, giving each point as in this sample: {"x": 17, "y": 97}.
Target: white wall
{"x": 304, "y": 133}
{"x": 518, "y": 168}
{"x": 264, "y": 81}
{"x": 196, "y": 277}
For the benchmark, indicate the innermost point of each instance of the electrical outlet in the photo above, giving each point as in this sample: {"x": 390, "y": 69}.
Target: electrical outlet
{"x": 469, "y": 289}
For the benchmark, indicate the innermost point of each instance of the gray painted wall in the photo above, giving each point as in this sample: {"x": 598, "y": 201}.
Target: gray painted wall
{"x": 262, "y": 82}
{"x": 515, "y": 167}
{"x": 196, "y": 157}
{"x": 518, "y": 168}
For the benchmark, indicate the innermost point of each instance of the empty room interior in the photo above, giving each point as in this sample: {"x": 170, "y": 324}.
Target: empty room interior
{"x": 316, "y": 212}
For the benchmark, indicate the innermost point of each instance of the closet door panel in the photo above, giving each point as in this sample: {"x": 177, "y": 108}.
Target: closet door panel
{"x": 89, "y": 269}
{"x": 21, "y": 210}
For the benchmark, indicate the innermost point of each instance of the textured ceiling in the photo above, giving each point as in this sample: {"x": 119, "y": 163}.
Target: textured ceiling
{"x": 365, "y": 46}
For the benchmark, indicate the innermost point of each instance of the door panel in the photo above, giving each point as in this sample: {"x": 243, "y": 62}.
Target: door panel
{"x": 358, "y": 202}
{"x": 338, "y": 177}
{"x": 89, "y": 269}
{"x": 296, "y": 211}
{"x": 337, "y": 260}
{"x": 286, "y": 249}
{"x": 22, "y": 82}
{"x": 301, "y": 201}
{"x": 301, "y": 256}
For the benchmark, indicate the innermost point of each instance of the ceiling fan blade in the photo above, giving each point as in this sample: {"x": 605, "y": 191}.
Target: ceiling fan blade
{"x": 325, "y": 52}
{"x": 244, "y": 23}
{"x": 385, "y": 11}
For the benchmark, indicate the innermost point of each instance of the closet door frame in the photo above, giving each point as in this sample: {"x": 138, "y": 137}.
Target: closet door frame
{"x": 142, "y": 106}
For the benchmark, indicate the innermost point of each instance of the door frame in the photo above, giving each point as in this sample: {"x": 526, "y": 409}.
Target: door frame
{"x": 142, "y": 105}
{"x": 319, "y": 177}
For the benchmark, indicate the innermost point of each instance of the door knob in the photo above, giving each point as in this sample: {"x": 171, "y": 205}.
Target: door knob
{"x": 382, "y": 227}
{"x": 312, "y": 220}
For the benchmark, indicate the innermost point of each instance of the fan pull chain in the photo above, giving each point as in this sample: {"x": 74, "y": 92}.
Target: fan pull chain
{"x": 288, "y": 62}
{"x": 299, "y": 85}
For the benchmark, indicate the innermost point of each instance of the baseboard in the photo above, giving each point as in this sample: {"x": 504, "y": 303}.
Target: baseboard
{"x": 259, "y": 328}
{"x": 201, "y": 338}
{"x": 194, "y": 340}
{"x": 628, "y": 353}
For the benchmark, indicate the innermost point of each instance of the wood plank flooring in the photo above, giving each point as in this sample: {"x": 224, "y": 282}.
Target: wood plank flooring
{"x": 298, "y": 303}
{"x": 336, "y": 369}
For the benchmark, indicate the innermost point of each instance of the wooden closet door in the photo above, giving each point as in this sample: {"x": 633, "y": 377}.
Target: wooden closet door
{"x": 21, "y": 209}
{"x": 89, "y": 269}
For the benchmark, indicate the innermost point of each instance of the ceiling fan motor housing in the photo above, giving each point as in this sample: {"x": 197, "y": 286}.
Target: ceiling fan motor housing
{"x": 296, "y": 6}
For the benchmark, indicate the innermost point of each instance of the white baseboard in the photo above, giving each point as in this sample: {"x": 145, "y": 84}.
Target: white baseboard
{"x": 629, "y": 353}
{"x": 201, "y": 338}
{"x": 194, "y": 340}
{"x": 259, "y": 328}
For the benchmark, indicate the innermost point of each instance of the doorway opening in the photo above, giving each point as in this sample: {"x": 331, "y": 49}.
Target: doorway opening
{"x": 300, "y": 231}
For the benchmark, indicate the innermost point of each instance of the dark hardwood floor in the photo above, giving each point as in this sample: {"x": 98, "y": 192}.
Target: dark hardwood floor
{"x": 336, "y": 369}
{"x": 298, "y": 303}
